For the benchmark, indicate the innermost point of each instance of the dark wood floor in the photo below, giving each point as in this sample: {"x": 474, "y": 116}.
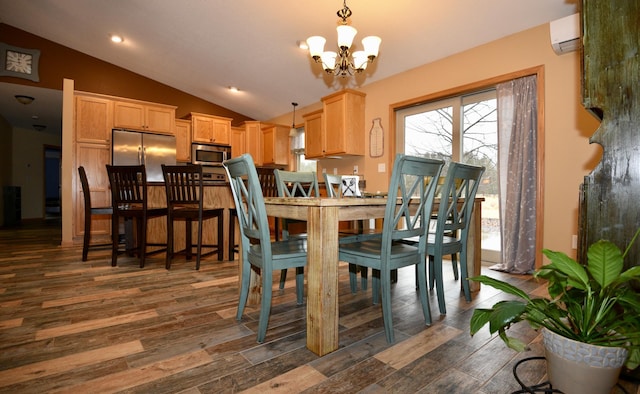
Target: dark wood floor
{"x": 69, "y": 326}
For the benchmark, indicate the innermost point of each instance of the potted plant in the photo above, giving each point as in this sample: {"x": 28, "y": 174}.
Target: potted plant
{"x": 593, "y": 305}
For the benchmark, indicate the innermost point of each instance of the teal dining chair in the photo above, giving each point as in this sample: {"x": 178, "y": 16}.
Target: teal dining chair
{"x": 294, "y": 184}
{"x": 457, "y": 195}
{"x": 258, "y": 251}
{"x": 407, "y": 214}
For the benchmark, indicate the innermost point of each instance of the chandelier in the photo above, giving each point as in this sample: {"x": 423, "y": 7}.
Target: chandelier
{"x": 344, "y": 62}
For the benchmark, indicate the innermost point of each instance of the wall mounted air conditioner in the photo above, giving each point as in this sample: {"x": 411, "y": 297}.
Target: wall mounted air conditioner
{"x": 565, "y": 34}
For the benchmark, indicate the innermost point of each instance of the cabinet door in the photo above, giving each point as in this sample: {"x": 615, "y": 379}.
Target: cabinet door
{"x": 276, "y": 145}
{"x": 254, "y": 141}
{"x": 94, "y": 158}
{"x": 183, "y": 140}
{"x": 93, "y": 119}
{"x": 238, "y": 141}
{"x": 313, "y": 136}
{"x": 128, "y": 115}
{"x": 221, "y": 131}
{"x": 202, "y": 128}
{"x": 343, "y": 114}
{"x": 159, "y": 119}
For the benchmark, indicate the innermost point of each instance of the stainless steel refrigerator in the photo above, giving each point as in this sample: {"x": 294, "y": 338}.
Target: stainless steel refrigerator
{"x": 152, "y": 150}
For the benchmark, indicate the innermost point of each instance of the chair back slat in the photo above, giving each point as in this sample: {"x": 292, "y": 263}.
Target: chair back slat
{"x": 410, "y": 200}
{"x": 297, "y": 184}
{"x": 128, "y": 185}
{"x": 249, "y": 202}
{"x": 183, "y": 184}
{"x": 332, "y": 183}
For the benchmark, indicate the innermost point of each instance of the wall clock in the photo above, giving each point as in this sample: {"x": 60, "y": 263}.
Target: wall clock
{"x": 19, "y": 62}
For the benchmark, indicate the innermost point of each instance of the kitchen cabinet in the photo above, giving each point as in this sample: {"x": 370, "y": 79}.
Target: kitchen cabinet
{"x": 341, "y": 126}
{"x": 183, "y": 140}
{"x": 210, "y": 128}
{"x": 313, "y": 135}
{"x": 93, "y": 119}
{"x": 253, "y": 138}
{"x": 143, "y": 116}
{"x": 238, "y": 141}
{"x": 275, "y": 145}
{"x": 94, "y": 158}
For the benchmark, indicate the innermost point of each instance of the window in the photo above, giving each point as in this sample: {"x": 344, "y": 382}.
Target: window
{"x": 297, "y": 150}
{"x": 464, "y": 129}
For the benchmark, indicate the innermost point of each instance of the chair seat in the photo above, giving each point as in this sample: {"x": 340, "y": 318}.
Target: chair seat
{"x": 368, "y": 251}
{"x": 449, "y": 244}
{"x": 136, "y": 211}
{"x": 101, "y": 210}
{"x": 192, "y": 213}
{"x": 291, "y": 250}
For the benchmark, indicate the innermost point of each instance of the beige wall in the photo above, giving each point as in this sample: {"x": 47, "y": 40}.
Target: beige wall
{"x": 5, "y": 160}
{"x": 568, "y": 155}
{"x": 28, "y": 168}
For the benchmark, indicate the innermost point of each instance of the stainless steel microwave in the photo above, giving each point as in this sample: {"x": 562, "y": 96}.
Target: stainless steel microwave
{"x": 209, "y": 154}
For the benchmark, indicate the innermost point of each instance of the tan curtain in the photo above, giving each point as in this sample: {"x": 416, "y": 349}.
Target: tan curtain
{"x": 517, "y": 136}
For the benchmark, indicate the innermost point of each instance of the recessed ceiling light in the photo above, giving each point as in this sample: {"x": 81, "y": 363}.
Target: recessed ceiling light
{"x": 302, "y": 44}
{"x": 234, "y": 89}
{"x": 116, "y": 38}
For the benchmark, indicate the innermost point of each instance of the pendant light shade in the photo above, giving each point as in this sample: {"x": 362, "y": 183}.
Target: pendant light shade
{"x": 293, "y": 132}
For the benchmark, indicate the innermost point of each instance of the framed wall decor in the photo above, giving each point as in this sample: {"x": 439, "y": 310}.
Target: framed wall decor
{"x": 19, "y": 62}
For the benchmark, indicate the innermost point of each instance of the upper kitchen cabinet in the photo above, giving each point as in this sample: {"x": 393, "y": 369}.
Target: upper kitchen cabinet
{"x": 275, "y": 149}
{"x": 253, "y": 138}
{"x": 343, "y": 123}
{"x": 183, "y": 140}
{"x": 93, "y": 119}
{"x": 313, "y": 135}
{"x": 238, "y": 141}
{"x": 210, "y": 129}
{"x": 139, "y": 115}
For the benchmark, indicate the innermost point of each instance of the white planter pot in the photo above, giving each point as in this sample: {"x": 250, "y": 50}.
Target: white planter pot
{"x": 581, "y": 368}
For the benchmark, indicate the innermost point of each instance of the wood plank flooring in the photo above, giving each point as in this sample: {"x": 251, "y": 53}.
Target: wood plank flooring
{"x": 86, "y": 327}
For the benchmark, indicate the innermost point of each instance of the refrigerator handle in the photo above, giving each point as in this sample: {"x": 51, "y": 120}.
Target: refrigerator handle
{"x": 140, "y": 155}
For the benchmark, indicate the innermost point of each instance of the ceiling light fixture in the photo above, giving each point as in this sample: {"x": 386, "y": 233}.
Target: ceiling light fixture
{"x": 340, "y": 63}
{"x": 22, "y": 99}
{"x": 116, "y": 38}
{"x": 293, "y": 131}
{"x": 234, "y": 89}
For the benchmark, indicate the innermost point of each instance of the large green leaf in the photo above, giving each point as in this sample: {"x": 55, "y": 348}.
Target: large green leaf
{"x": 576, "y": 274}
{"x": 604, "y": 262}
{"x": 500, "y": 285}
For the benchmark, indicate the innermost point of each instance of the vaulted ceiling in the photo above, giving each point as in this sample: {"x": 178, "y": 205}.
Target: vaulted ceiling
{"x": 203, "y": 47}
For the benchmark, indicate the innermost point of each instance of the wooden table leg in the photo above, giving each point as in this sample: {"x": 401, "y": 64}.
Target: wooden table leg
{"x": 322, "y": 280}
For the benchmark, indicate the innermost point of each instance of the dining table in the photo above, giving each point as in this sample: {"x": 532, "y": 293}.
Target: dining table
{"x": 323, "y": 215}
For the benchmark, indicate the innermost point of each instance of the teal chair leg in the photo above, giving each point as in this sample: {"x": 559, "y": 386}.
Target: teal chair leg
{"x": 375, "y": 286}
{"x": 353, "y": 277}
{"x": 439, "y": 283}
{"x": 265, "y": 304}
{"x": 387, "y": 317}
{"x": 299, "y": 285}
{"x": 454, "y": 263}
{"x": 244, "y": 287}
{"x": 422, "y": 291}
{"x": 283, "y": 278}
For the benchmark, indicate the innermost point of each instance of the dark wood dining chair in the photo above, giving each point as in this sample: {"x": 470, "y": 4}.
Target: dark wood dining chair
{"x": 89, "y": 212}
{"x": 185, "y": 201}
{"x": 407, "y": 214}
{"x": 258, "y": 250}
{"x": 129, "y": 201}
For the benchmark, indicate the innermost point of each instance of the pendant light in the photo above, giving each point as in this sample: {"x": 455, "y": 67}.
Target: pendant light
{"x": 293, "y": 132}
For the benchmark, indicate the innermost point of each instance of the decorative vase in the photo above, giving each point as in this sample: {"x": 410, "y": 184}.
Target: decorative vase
{"x": 580, "y": 368}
